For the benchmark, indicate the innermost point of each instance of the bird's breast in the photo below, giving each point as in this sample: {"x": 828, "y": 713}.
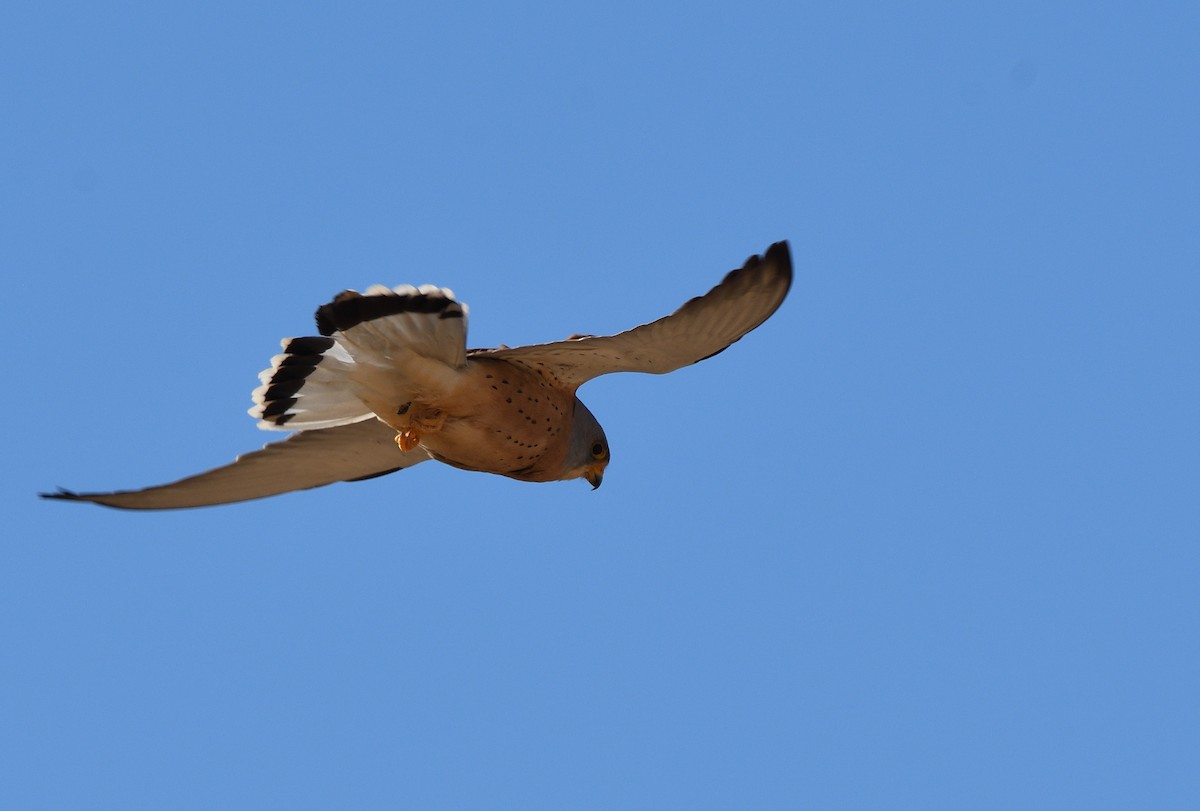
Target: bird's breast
{"x": 505, "y": 419}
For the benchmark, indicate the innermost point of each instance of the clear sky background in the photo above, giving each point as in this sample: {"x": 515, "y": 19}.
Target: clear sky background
{"x": 928, "y": 538}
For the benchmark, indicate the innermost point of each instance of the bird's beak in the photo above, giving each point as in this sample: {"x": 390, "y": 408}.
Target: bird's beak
{"x": 594, "y": 475}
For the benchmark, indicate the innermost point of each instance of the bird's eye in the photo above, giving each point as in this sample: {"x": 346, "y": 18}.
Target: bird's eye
{"x": 598, "y": 450}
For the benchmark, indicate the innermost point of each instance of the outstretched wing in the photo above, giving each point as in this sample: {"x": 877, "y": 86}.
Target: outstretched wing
{"x": 306, "y": 459}
{"x": 699, "y": 329}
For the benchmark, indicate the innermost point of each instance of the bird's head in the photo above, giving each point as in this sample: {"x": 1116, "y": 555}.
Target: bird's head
{"x": 587, "y": 453}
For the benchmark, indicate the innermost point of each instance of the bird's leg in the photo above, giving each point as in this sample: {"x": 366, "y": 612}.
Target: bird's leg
{"x": 422, "y": 419}
{"x": 430, "y": 419}
{"x": 407, "y": 437}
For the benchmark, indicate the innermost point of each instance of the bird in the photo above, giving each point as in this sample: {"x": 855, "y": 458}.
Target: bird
{"x": 389, "y": 383}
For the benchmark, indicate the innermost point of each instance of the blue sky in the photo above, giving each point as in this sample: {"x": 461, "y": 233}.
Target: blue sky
{"x": 927, "y": 538}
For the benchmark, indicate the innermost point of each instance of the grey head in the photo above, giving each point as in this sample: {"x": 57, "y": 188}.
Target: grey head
{"x": 587, "y": 452}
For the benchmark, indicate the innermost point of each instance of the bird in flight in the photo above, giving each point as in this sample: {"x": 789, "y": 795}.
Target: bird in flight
{"x": 390, "y": 383}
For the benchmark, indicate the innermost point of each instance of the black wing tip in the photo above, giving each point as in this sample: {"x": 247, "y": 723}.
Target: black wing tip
{"x": 116, "y": 500}
{"x": 780, "y": 253}
{"x": 63, "y": 494}
{"x": 109, "y": 500}
{"x": 778, "y": 256}
{"x": 775, "y": 263}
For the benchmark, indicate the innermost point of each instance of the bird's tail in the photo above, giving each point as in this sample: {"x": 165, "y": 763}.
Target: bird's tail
{"x": 377, "y": 352}
{"x": 308, "y": 386}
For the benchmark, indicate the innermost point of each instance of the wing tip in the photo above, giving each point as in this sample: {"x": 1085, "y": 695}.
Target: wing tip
{"x": 62, "y": 494}
{"x": 773, "y": 268}
{"x": 780, "y": 253}
{"x": 778, "y": 256}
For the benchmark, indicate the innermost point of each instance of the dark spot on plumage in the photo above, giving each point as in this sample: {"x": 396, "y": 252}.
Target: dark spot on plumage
{"x": 404, "y": 408}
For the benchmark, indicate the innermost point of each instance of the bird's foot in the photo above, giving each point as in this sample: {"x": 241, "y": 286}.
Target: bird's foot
{"x": 408, "y": 439}
{"x": 414, "y": 420}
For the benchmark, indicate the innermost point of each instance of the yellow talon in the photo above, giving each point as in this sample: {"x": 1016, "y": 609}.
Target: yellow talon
{"x": 407, "y": 440}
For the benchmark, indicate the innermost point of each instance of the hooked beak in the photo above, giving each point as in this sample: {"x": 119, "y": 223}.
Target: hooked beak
{"x": 594, "y": 475}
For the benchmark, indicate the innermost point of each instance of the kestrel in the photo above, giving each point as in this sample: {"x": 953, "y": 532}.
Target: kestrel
{"x": 390, "y": 383}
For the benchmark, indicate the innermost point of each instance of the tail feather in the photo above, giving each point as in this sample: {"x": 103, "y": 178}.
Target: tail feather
{"x": 426, "y": 320}
{"x": 377, "y": 350}
{"x": 308, "y": 387}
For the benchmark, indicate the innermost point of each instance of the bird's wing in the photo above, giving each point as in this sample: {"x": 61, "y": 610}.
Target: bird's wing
{"x": 306, "y": 459}
{"x": 699, "y": 329}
